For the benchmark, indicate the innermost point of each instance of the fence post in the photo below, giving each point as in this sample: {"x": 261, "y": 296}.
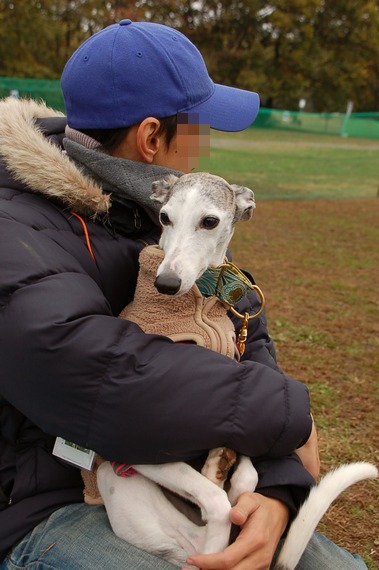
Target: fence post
{"x": 349, "y": 110}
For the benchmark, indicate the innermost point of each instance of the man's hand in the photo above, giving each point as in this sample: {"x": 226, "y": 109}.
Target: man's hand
{"x": 262, "y": 521}
{"x": 309, "y": 455}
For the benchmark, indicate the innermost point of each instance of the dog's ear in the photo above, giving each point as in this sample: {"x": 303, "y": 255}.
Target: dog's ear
{"x": 245, "y": 202}
{"x": 161, "y": 188}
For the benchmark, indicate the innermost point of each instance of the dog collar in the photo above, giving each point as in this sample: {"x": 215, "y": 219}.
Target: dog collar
{"x": 230, "y": 285}
{"x": 225, "y": 281}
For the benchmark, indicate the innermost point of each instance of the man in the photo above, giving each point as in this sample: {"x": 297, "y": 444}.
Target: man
{"x": 138, "y": 100}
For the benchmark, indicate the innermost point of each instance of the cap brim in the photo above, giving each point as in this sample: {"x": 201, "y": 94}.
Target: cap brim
{"x": 228, "y": 109}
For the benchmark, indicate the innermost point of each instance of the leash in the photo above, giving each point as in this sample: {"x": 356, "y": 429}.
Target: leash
{"x": 230, "y": 285}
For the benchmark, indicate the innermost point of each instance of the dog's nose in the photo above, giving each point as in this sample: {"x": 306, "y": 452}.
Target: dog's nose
{"x": 168, "y": 283}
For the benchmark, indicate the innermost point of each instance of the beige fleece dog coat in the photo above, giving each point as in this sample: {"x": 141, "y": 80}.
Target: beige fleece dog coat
{"x": 189, "y": 318}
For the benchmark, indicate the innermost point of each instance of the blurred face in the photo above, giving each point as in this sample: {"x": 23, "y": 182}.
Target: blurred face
{"x": 192, "y": 141}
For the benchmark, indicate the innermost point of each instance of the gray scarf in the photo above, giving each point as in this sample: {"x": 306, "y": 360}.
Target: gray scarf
{"x": 118, "y": 176}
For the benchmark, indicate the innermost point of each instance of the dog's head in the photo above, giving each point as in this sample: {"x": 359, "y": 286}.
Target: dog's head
{"x": 198, "y": 215}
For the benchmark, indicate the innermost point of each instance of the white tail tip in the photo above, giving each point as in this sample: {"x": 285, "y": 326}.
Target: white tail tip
{"x": 316, "y": 505}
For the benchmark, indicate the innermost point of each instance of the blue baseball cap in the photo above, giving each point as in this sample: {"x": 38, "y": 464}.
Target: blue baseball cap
{"x": 133, "y": 70}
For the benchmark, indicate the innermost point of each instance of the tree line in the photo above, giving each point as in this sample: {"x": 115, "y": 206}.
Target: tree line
{"x": 321, "y": 52}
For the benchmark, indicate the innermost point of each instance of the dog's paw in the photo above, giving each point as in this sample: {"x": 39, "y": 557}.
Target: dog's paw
{"x": 218, "y": 464}
{"x": 227, "y": 458}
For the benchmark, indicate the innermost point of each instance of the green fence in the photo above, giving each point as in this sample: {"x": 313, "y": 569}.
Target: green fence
{"x": 48, "y": 90}
{"x": 354, "y": 125}
{"x": 343, "y": 124}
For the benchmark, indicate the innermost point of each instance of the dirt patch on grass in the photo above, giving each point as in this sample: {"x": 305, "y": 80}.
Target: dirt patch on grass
{"x": 318, "y": 265}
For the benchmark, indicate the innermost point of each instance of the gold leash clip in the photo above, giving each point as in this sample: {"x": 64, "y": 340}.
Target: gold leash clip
{"x": 242, "y": 336}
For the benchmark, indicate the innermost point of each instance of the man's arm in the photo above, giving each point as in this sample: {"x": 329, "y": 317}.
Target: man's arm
{"x": 309, "y": 453}
{"x": 78, "y": 371}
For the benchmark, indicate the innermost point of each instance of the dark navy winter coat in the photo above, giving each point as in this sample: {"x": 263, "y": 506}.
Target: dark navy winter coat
{"x": 69, "y": 367}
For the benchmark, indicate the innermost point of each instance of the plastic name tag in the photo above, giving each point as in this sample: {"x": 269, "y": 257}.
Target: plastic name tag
{"x": 74, "y": 454}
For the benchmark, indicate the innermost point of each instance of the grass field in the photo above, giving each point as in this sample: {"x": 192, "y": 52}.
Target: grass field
{"x": 280, "y": 164}
{"x": 317, "y": 260}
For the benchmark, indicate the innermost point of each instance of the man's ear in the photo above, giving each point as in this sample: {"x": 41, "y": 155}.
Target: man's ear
{"x": 161, "y": 188}
{"x": 245, "y": 202}
{"x": 147, "y": 139}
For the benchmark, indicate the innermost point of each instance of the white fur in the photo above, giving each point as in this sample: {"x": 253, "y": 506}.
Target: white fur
{"x": 189, "y": 248}
{"x": 141, "y": 514}
{"x": 138, "y": 510}
{"x": 318, "y": 502}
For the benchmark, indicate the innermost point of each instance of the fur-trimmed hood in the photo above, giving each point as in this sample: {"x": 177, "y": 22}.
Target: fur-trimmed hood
{"x": 41, "y": 165}
{"x": 87, "y": 180}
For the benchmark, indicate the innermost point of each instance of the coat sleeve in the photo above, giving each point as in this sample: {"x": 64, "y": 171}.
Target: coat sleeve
{"x": 79, "y": 372}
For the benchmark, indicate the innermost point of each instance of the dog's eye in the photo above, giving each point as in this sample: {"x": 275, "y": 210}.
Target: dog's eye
{"x": 164, "y": 219}
{"x": 209, "y": 223}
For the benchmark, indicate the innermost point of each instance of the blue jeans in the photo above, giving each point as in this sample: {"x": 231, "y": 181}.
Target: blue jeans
{"x": 79, "y": 537}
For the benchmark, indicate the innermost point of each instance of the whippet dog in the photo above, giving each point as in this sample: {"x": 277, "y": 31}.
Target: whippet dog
{"x": 198, "y": 216}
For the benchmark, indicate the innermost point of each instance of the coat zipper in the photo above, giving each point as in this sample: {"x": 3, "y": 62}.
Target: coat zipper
{"x": 137, "y": 219}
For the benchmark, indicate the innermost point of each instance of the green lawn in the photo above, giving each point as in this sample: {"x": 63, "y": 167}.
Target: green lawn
{"x": 288, "y": 165}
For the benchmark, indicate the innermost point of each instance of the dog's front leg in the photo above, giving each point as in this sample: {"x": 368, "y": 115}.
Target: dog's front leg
{"x": 244, "y": 478}
{"x": 192, "y": 485}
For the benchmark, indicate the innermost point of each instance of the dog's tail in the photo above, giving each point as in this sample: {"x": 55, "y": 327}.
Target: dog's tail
{"x": 313, "y": 509}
